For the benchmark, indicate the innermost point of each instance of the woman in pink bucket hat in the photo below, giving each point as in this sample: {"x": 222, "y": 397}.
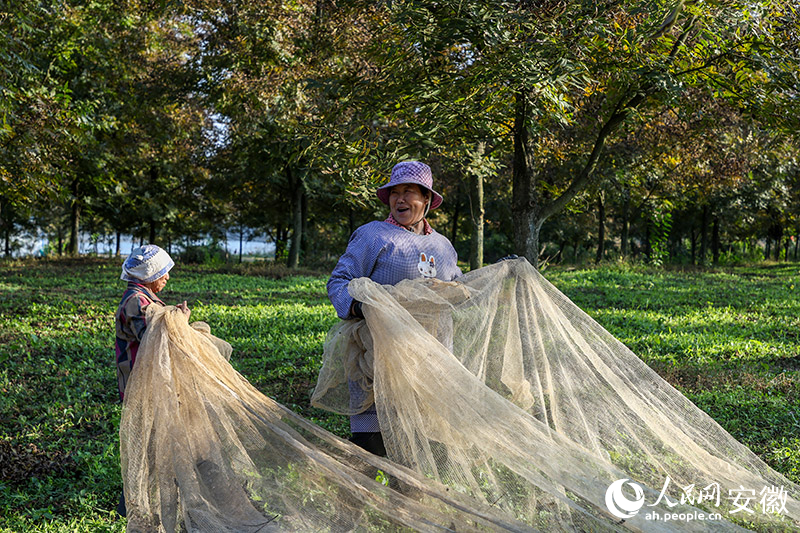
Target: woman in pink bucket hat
{"x": 403, "y": 246}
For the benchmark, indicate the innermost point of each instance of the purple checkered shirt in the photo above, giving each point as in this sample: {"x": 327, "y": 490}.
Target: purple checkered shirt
{"x": 387, "y": 254}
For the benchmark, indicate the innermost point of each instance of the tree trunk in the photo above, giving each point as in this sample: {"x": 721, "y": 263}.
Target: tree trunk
{"x": 524, "y": 209}
{"x": 767, "y": 248}
{"x": 7, "y": 235}
{"x": 786, "y": 249}
{"x": 306, "y": 242}
{"x": 648, "y": 251}
{"x": 116, "y": 248}
{"x": 74, "y": 221}
{"x": 454, "y": 227}
{"x": 601, "y": 228}
{"x": 626, "y": 209}
{"x": 296, "y": 184}
{"x": 715, "y": 245}
{"x": 560, "y": 253}
{"x": 796, "y": 244}
{"x": 476, "y": 216}
{"x": 704, "y": 234}
{"x": 241, "y": 239}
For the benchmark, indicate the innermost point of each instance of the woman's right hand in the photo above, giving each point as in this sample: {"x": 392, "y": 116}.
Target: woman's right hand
{"x": 185, "y": 308}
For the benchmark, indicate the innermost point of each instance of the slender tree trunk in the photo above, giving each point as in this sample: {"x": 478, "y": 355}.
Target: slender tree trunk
{"x": 6, "y": 232}
{"x": 74, "y": 225}
{"x": 786, "y": 249}
{"x": 675, "y": 241}
{"x": 693, "y": 243}
{"x": 626, "y": 210}
{"x": 241, "y": 240}
{"x": 305, "y": 242}
{"x": 796, "y": 244}
{"x": 117, "y": 246}
{"x": 560, "y": 253}
{"x": 601, "y": 228}
{"x": 454, "y": 227}
{"x": 1, "y": 219}
{"x": 767, "y": 249}
{"x": 476, "y": 216}
{"x": 704, "y": 235}
{"x": 648, "y": 251}
{"x": 715, "y": 244}
{"x": 296, "y": 184}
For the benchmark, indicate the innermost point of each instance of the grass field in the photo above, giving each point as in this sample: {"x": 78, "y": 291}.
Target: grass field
{"x": 729, "y": 340}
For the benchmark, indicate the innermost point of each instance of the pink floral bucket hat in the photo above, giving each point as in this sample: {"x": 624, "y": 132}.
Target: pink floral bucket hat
{"x": 410, "y": 172}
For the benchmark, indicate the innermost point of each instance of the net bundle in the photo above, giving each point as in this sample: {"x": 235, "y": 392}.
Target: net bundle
{"x": 202, "y": 450}
{"x": 502, "y": 405}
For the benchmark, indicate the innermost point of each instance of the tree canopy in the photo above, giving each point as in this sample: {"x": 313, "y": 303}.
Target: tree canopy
{"x": 666, "y": 130}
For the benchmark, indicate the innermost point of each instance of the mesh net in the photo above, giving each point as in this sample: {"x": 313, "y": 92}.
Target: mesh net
{"x": 203, "y": 450}
{"x": 502, "y": 405}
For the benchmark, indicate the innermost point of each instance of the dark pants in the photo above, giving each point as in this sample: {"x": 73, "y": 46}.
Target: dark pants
{"x": 371, "y": 441}
{"x": 121, "y": 506}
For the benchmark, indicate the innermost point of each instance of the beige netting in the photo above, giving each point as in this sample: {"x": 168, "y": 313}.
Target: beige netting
{"x": 507, "y": 407}
{"x": 204, "y": 451}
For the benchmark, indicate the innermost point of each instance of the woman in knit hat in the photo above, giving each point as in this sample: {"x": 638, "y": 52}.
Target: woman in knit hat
{"x": 403, "y": 246}
{"x": 147, "y": 271}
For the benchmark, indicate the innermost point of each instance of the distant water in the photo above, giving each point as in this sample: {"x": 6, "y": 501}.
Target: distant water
{"x": 37, "y": 246}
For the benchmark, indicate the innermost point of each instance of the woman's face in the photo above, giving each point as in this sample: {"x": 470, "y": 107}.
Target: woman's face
{"x": 407, "y": 203}
{"x": 159, "y": 284}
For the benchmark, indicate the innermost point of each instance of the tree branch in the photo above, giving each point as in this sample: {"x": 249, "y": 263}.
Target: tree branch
{"x": 582, "y": 179}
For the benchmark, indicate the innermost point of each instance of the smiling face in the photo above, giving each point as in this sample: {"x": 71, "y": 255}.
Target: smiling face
{"x": 407, "y": 203}
{"x": 159, "y": 284}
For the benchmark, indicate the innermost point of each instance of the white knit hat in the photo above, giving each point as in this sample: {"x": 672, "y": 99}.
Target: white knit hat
{"x": 146, "y": 263}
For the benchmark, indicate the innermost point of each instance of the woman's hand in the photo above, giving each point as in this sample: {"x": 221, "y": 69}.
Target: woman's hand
{"x": 185, "y": 308}
{"x": 355, "y": 309}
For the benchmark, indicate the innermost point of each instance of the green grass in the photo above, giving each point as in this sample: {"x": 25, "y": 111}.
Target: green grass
{"x": 727, "y": 339}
